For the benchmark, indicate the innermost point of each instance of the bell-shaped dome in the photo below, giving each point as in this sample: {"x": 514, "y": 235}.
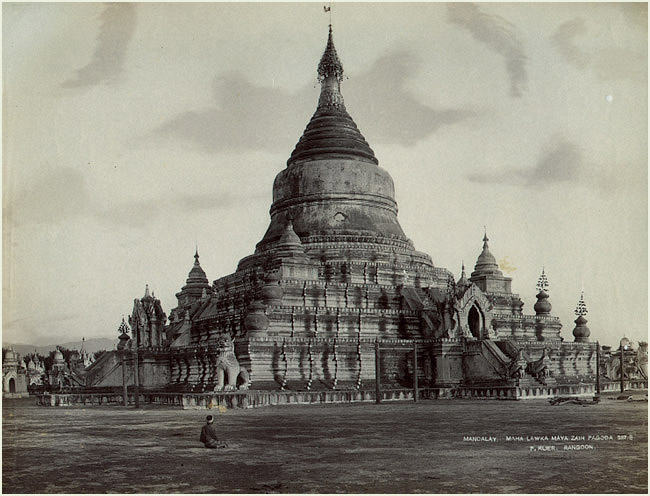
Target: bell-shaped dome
{"x": 58, "y": 356}
{"x": 197, "y": 274}
{"x": 197, "y": 281}
{"x": 332, "y": 187}
{"x": 542, "y": 306}
{"x": 581, "y": 332}
{"x": 289, "y": 239}
{"x": 486, "y": 263}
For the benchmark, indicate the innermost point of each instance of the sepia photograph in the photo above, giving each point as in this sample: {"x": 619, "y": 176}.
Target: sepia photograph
{"x": 308, "y": 247}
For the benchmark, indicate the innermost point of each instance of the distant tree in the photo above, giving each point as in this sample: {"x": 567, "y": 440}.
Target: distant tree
{"x": 97, "y": 354}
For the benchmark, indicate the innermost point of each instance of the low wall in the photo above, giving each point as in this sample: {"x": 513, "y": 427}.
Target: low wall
{"x": 15, "y": 395}
{"x": 258, "y": 398}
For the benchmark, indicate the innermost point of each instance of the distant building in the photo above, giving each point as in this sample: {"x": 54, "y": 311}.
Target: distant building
{"x": 35, "y": 371}
{"x": 14, "y": 375}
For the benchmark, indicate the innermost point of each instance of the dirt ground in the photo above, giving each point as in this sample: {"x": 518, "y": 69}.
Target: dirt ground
{"x": 435, "y": 446}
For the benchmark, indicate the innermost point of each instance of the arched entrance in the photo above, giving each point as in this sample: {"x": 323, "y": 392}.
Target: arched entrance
{"x": 12, "y": 385}
{"x": 475, "y": 321}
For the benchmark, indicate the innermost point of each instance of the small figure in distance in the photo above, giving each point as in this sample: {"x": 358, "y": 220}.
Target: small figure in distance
{"x": 209, "y": 435}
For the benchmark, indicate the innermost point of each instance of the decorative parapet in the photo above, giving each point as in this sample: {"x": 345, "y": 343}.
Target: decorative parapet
{"x": 525, "y": 318}
{"x": 342, "y": 311}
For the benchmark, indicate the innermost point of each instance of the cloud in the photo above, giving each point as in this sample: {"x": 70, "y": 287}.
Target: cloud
{"x": 117, "y": 28}
{"x": 618, "y": 63}
{"x": 57, "y": 195}
{"x": 563, "y": 39}
{"x": 245, "y": 117}
{"x": 560, "y": 161}
{"x": 62, "y": 194}
{"x": 250, "y": 117}
{"x": 390, "y": 112}
{"x": 498, "y": 35}
{"x": 139, "y": 213}
{"x": 609, "y": 63}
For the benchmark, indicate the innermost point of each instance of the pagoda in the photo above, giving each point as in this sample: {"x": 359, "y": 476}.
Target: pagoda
{"x": 335, "y": 278}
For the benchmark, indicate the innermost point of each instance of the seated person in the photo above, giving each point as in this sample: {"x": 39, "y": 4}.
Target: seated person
{"x": 209, "y": 435}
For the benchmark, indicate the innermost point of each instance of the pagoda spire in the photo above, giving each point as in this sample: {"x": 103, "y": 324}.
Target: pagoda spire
{"x": 581, "y": 332}
{"x": 581, "y": 308}
{"x": 331, "y": 132}
{"x": 330, "y": 75}
{"x": 330, "y": 65}
{"x": 543, "y": 305}
{"x": 542, "y": 282}
{"x": 486, "y": 263}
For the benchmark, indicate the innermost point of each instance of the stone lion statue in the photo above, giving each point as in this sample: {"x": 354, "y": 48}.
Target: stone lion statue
{"x": 541, "y": 369}
{"x": 517, "y": 368}
{"x": 228, "y": 368}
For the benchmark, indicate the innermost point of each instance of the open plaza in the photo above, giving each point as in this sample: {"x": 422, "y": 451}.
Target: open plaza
{"x": 433, "y": 446}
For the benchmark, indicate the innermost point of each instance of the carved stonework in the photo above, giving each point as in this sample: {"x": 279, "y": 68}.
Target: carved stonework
{"x": 473, "y": 297}
{"x": 227, "y": 366}
{"x": 517, "y": 369}
{"x": 541, "y": 369}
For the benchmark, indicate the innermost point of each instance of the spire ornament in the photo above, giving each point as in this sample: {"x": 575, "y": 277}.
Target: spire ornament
{"x": 123, "y": 329}
{"x": 543, "y": 306}
{"x": 581, "y": 332}
{"x": 330, "y": 65}
{"x": 581, "y": 308}
{"x": 463, "y": 283}
{"x": 542, "y": 282}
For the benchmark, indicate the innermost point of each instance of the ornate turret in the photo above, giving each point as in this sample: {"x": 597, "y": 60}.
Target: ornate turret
{"x": 11, "y": 357}
{"x": 486, "y": 264}
{"x": 147, "y": 321}
{"x": 487, "y": 275}
{"x": 581, "y": 332}
{"x": 543, "y": 306}
{"x": 123, "y": 329}
{"x": 463, "y": 283}
{"x": 195, "y": 285}
{"x": 59, "y": 361}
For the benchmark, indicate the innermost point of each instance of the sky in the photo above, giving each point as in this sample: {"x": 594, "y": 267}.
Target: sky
{"x": 133, "y": 133}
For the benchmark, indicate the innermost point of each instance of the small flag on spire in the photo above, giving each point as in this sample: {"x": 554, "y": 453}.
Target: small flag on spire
{"x": 326, "y": 8}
